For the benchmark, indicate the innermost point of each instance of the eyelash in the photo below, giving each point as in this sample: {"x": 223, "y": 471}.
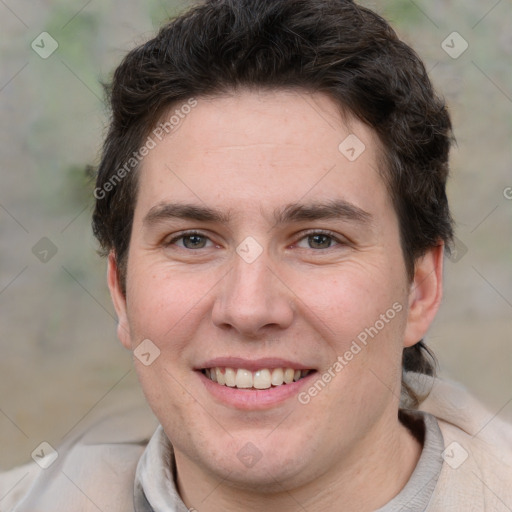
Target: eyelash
{"x": 328, "y": 233}
{"x": 335, "y": 238}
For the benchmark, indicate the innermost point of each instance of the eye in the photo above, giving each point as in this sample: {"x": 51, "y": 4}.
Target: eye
{"x": 319, "y": 240}
{"x": 190, "y": 240}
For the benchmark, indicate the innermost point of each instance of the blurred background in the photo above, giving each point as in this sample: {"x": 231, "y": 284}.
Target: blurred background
{"x": 60, "y": 361}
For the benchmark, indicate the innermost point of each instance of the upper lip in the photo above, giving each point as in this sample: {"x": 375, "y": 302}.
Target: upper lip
{"x": 252, "y": 364}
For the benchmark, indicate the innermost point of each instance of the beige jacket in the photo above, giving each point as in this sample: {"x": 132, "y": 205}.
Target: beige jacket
{"x": 95, "y": 470}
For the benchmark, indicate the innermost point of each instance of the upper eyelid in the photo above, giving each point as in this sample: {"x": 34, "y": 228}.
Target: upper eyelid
{"x": 310, "y": 232}
{"x": 339, "y": 239}
{"x": 326, "y": 232}
{"x": 184, "y": 234}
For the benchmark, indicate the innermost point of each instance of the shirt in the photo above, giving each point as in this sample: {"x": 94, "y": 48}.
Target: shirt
{"x": 111, "y": 464}
{"x": 155, "y": 489}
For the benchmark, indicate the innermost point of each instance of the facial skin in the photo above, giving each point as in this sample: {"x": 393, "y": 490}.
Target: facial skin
{"x": 304, "y": 299}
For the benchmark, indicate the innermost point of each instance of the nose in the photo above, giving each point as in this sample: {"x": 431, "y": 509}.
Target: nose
{"x": 252, "y": 299}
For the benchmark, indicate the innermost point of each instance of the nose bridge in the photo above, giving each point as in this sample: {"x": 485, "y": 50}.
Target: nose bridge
{"x": 252, "y": 297}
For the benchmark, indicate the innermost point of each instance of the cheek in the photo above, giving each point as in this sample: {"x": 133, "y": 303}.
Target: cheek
{"x": 352, "y": 298}
{"x": 361, "y": 313}
{"x": 165, "y": 390}
{"x": 162, "y": 302}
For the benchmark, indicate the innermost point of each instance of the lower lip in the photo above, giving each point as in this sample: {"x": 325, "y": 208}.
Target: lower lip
{"x": 254, "y": 399}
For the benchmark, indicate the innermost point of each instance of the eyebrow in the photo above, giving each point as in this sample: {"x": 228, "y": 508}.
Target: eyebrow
{"x": 168, "y": 211}
{"x": 334, "y": 209}
{"x": 294, "y": 212}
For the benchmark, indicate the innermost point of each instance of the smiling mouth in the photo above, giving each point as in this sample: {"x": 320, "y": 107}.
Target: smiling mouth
{"x": 264, "y": 378}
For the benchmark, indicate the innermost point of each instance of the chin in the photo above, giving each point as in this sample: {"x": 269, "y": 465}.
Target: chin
{"x": 267, "y": 469}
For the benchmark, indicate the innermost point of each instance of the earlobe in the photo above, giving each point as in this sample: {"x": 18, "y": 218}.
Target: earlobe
{"x": 425, "y": 294}
{"x": 119, "y": 301}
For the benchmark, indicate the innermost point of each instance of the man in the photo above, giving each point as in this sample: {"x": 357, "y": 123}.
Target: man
{"x": 272, "y": 201}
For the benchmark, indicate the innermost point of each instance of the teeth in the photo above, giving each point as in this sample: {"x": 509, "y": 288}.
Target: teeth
{"x": 288, "y": 375}
{"x": 221, "y": 379}
{"x": 261, "y": 379}
{"x": 230, "y": 377}
{"x": 277, "y": 377}
{"x": 243, "y": 379}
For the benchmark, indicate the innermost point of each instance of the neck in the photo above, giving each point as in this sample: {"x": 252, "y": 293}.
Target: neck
{"x": 369, "y": 477}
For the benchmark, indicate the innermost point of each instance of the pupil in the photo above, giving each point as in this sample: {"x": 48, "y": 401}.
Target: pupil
{"x": 321, "y": 240}
{"x": 194, "y": 240}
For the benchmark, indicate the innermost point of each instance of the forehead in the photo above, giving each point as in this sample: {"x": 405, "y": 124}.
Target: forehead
{"x": 248, "y": 149}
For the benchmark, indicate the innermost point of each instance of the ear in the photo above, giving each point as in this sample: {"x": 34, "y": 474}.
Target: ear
{"x": 425, "y": 294}
{"x": 119, "y": 300}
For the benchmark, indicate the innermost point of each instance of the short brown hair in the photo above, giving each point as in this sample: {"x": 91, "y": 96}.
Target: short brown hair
{"x": 334, "y": 47}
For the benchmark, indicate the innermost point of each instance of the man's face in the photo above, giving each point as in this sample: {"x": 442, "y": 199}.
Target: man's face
{"x": 294, "y": 265}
